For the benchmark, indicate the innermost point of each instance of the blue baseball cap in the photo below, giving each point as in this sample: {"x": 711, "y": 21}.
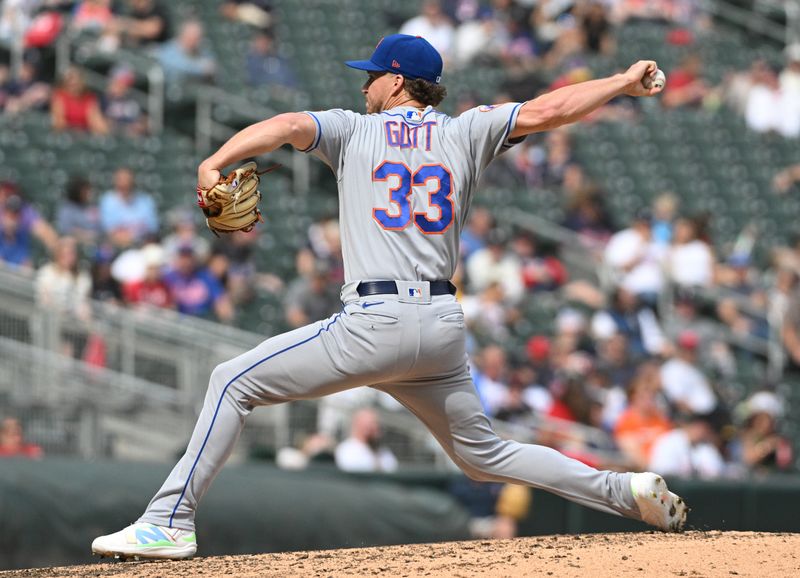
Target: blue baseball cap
{"x": 411, "y": 56}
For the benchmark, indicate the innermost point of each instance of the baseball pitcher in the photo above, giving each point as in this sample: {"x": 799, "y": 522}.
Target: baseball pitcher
{"x": 406, "y": 176}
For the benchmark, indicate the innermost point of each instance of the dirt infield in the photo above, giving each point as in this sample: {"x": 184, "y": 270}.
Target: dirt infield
{"x": 694, "y": 554}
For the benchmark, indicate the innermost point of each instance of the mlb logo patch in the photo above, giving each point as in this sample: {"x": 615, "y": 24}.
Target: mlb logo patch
{"x": 414, "y": 292}
{"x": 413, "y": 115}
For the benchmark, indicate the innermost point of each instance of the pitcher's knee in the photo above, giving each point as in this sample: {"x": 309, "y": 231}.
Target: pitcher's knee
{"x": 480, "y": 463}
{"x": 222, "y": 376}
{"x": 476, "y": 473}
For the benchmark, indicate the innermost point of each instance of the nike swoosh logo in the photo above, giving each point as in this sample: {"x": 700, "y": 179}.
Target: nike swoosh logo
{"x": 370, "y": 304}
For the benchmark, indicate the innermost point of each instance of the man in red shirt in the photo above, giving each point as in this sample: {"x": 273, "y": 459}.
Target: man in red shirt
{"x": 75, "y": 107}
{"x": 12, "y": 444}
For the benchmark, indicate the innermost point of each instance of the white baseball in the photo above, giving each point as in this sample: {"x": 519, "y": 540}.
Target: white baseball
{"x": 659, "y": 81}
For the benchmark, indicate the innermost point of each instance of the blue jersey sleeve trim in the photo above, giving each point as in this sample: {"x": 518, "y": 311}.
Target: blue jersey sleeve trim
{"x": 512, "y": 120}
{"x": 314, "y": 144}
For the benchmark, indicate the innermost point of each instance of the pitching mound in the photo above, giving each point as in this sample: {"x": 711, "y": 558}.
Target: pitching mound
{"x": 704, "y": 554}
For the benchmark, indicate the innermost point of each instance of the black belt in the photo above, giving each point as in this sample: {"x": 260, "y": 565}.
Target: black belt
{"x": 365, "y": 288}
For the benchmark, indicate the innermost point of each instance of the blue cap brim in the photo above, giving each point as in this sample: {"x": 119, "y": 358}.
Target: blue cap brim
{"x": 367, "y": 65}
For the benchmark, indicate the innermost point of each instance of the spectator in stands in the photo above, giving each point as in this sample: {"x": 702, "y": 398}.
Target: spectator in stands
{"x": 195, "y": 290}
{"x": 790, "y": 75}
{"x": 626, "y": 315}
{"x": 684, "y": 385}
{"x": 759, "y": 446}
{"x": 20, "y": 223}
{"x": 644, "y": 420}
{"x": 588, "y": 216}
{"x": 489, "y": 373}
{"x": 541, "y": 270}
{"x": 596, "y": 28}
{"x": 127, "y": 215}
{"x": 104, "y": 286}
{"x": 546, "y": 163}
{"x": 186, "y": 58}
{"x": 474, "y": 235}
{"x": 12, "y": 441}
{"x": 62, "y": 284}
{"x": 266, "y": 66}
{"x": 673, "y": 11}
{"x": 665, "y": 207}
{"x": 184, "y": 234}
{"x": 151, "y": 290}
{"x": 617, "y": 361}
{"x": 16, "y": 17}
{"x": 689, "y": 261}
{"x": 737, "y": 85}
{"x": 688, "y": 450}
{"x": 15, "y": 245}
{"x": 27, "y": 91}
{"x": 434, "y": 26}
{"x": 784, "y": 180}
{"x": 496, "y": 264}
{"x": 75, "y": 107}
{"x": 325, "y": 243}
{"x": 515, "y": 408}
{"x": 538, "y": 349}
{"x": 94, "y": 18}
{"x": 686, "y": 317}
{"x": 313, "y": 448}
{"x": 783, "y": 289}
{"x": 771, "y": 109}
{"x": 486, "y": 314}
{"x": 144, "y": 23}
{"x": 256, "y": 13}
{"x": 556, "y": 31}
{"x": 364, "y": 451}
{"x": 635, "y": 259}
{"x": 242, "y": 278}
{"x": 686, "y": 86}
{"x": 495, "y": 509}
{"x": 571, "y": 401}
{"x": 739, "y": 324}
{"x": 120, "y": 107}
{"x": 77, "y": 216}
{"x": 740, "y": 277}
{"x": 790, "y": 333}
{"x": 310, "y": 297}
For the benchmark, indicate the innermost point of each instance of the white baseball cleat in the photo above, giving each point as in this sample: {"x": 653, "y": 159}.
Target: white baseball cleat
{"x": 142, "y": 540}
{"x": 657, "y": 505}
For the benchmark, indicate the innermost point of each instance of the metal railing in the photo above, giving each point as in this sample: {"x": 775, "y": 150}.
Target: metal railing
{"x": 70, "y": 406}
{"x": 209, "y": 130}
{"x": 751, "y": 20}
{"x": 158, "y": 365}
{"x": 163, "y": 347}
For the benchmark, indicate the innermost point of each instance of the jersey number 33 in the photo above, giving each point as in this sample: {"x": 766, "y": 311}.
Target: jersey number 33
{"x": 399, "y": 214}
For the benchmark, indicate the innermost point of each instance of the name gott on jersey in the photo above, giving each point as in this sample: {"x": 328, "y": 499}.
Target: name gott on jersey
{"x": 400, "y": 135}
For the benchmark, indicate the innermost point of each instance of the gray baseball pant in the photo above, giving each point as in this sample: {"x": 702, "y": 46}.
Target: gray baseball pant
{"x": 410, "y": 347}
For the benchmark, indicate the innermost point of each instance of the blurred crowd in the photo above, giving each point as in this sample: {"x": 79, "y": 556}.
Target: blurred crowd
{"x": 105, "y": 27}
{"x": 611, "y": 371}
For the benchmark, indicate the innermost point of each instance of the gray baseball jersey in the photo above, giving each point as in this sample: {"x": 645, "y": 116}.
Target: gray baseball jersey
{"x": 406, "y": 179}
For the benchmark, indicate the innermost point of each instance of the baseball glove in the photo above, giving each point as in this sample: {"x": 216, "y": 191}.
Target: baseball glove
{"x": 232, "y": 204}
